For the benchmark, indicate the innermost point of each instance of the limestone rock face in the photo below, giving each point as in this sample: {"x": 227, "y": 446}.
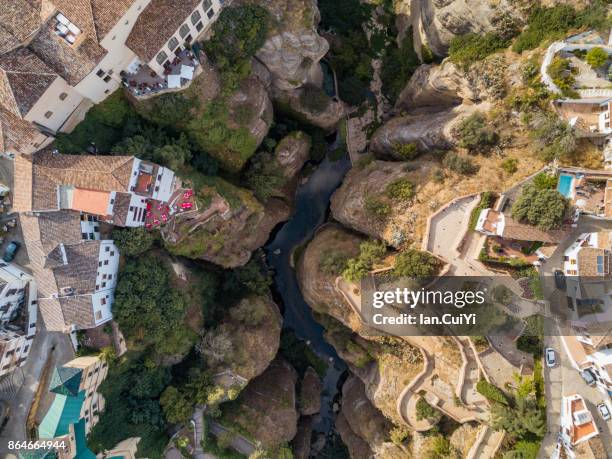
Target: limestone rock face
{"x": 293, "y": 48}
{"x": 289, "y": 102}
{"x": 437, "y": 22}
{"x": 436, "y": 86}
{"x": 310, "y": 393}
{"x": 292, "y": 152}
{"x": 266, "y": 408}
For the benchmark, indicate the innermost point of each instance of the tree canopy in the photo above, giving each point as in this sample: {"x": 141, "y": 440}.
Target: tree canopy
{"x": 416, "y": 263}
{"x": 542, "y": 208}
{"x": 596, "y": 57}
{"x": 475, "y": 135}
{"x": 133, "y": 241}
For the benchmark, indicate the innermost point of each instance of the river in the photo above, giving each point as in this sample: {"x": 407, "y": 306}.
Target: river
{"x": 311, "y": 206}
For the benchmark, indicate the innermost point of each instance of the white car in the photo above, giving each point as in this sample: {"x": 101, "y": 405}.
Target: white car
{"x": 551, "y": 360}
{"x": 604, "y": 411}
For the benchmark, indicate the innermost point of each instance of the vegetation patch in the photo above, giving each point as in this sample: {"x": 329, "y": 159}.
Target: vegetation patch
{"x": 470, "y": 48}
{"x": 487, "y": 199}
{"x": 542, "y": 208}
{"x": 475, "y": 134}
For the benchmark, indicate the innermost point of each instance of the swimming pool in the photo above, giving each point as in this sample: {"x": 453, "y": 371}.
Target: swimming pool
{"x": 565, "y": 185}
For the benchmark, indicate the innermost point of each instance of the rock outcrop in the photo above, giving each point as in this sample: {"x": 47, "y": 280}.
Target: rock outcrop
{"x": 291, "y": 154}
{"x": 362, "y": 427}
{"x": 437, "y": 22}
{"x": 289, "y": 102}
{"x": 293, "y": 48}
{"x": 310, "y": 393}
{"x": 253, "y": 328}
{"x": 230, "y": 225}
{"x": 266, "y": 409}
{"x": 351, "y": 203}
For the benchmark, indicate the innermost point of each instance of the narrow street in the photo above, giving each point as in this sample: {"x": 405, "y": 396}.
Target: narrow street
{"x": 54, "y": 346}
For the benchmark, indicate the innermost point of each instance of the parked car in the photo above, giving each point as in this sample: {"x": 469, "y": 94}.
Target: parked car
{"x": 560, "y": 280}
{"x": 588, "y": 377}
{"x": 11, "y": 251}
{"x": 551, "y": 360}
{"x": 604, "y": 411}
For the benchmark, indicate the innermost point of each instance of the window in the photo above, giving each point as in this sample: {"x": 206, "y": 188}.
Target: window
{"x": 106, "y": 91}
{"x": 173, "y": 43}
{"x": 107, "y": 249}
{"x": 100, "y": 73}
{"x": 99, "y": 263}
{"x": 105, "y": 262}
{"x": 25, "y": 349}
{"x": 63, "y": 96}
{"x": 131, "y": 209}
{"x": 48, "y": 114}
{"x": 107, "y": 78}
{"x": 206, "y": 4}
{"x": 199, "y": 26}
{"x": 103, "y": 284}
{"x": 184, "y": 30}
{"x": 98, "y": 315}
{"x": 112, "y": 201}
{"x": 112, "y": 254}
{"x": 103, "y": 301}
{"x": 210, "y": 13}
{"x": 195, "y": 17}
{"x": 161, "y": 57}
{"x": 92, "y": 236}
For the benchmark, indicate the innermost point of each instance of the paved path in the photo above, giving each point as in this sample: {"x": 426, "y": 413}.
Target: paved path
{"x": 488, "y": 446}
{"x": 239, "y": 443}
{"x": 55, "y": 346}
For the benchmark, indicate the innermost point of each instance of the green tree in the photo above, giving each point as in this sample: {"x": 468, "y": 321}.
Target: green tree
{"x": 596, "y": 57}
{"x": 525, "y": 417}
{"x": 469, "y": 48}
{"x": 415, "y": 263}
{"x": 332, "y": 262}
{"x": 175, "y": 406}
{"x": 440, "y": 447}
{"x": 475, "y": 135}
{"x": 510, "y": 165}
{"x": 238, "y": 34}
{"x": 370, "y": 252}
{"x": 491, "y": 392}
{"x": 133, "y": 241}
{"x": 542, "y": 208}
{"x": 144, "y": 285}
{"x": 264, "y": 176}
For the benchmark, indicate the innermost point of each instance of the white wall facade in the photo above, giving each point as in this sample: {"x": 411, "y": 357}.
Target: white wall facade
{"x": 106, "y": 281}
{"x": 206, "y": 7}
{"x": 97, "y": 86}
{"x": 16, "y": 347}
{"x": 12, "y": 295}
{"x": 55, "y": 106}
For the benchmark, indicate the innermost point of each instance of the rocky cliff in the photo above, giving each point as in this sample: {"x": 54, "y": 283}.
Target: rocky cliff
{"x": 253, "y": 329}
{"x": 293, "y": 48}
{"x": 310, "y": 393}
{"x": 266, "y": 409}
{"x": 229, "y": 225}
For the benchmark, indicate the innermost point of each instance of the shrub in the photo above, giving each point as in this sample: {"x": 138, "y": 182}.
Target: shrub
{"x": 542, "y": 208}
{"x": 415, "y": 263}
{"x": 377, "y": 208}
{"x": 544, "y": 181}
{"x": 475, "y": 135}
{"x": 469, "y": 48}
{"x": 491, "y": 392}
{"x": 332, "y": 262}
{"x": 314, "y": 99}
{"x": 510, "y": 165}
{"x": 425, "y": 411}
{"x": 406, "y": 151}
{"x": 399, "y": 434}
{"x": 545, "y": 23}
{"x": 264, "y": 176}
{"x": 486, "y": 201}
{"x": 369, "y": 253}
{"x": 596, "y": 57}
{"x": 460, "y": 164}
{"x": 555, "y": 137}
{"x": 426, "y": 53}
{"x": 400, "y": 190}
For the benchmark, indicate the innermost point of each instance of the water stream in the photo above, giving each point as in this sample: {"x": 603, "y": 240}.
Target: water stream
{"x": 311, "y": 205}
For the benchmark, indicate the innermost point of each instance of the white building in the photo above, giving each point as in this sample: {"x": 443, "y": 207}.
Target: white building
{"x": 18, "y": 325}
{"x": 59, "y": 57}
{"x": 579, "y": 433}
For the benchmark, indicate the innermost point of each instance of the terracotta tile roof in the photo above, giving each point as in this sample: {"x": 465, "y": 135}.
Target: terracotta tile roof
{"x": 21, "y": 18}
{"x": 121, "y": 208}
{"x": 42, "y": 235}
{"x": 22, "y": 191}
{"x": 78, "y": 310}
{"x": 23, "y": 80}
{"x": 156, "y": 24}
{"x": 8, "y": 41}
{"x": 73, "y": 63}
{"x": 102, "y": 173}
{"x": 106, "y": 14}
{"x": 522, "y": 232}
{"x": 588, "y": 262}
{"x": 16, "y": 133}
